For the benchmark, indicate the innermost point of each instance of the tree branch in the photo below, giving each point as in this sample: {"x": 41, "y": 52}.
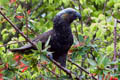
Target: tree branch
{"x": 76, "y": 31}
{"x": 81, "y": 68}
{"x": 115, "y": 43}
{"x": 16, "y": 28}
{"x": 105, "y": 6}
{"x": 38, "y": 5}
{"x": 68, "y": 72}
{"x": 80, "y": 9}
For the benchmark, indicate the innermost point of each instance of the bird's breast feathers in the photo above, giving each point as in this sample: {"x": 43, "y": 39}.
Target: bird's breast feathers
{"x": 62, "y": 44}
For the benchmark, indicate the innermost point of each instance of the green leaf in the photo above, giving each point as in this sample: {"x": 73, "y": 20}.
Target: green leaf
{"x": 81, "y": 53}
{"x": 66, "y": 2}
{"x": 87, "y": 11}
{"x": 117, "y": 6}
{"x": 99, "y": 33}
{"x": 39, "y": 45}
{"x": 4, "y": 31}
{"x": 5, "y": 36}
{"x": 106, "y": 61}
{"x": 50, "y": 1}
{"x": 31, "y": 25}
{"x": 110, "y": 3}
{"x": 91, "y": 62}
{"x": 46, "y": 44}
{"x": 19, "y": 9}
{"x": 21, "y": 38}
{"x": 109, "y": 49}
{"x": 81, "y": 38}
{"x": 4, "y": 2}
{"x": 115, "y": 14}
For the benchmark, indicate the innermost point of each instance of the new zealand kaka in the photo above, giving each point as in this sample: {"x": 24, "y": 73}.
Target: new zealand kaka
{"x": 61, "y": 36}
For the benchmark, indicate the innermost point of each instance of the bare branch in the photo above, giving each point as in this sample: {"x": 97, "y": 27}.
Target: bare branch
{"x": 76, "y": 31}
{"x": 38, "y": 5}
{"x": 115, "y": 43}
{"x": 16, "y": 28}
{"x": 26, "y": 18}
{"x": 67, "y": 71}
{"x": 80, "y": 9}
{"x": 61, "y": 67}
{"x": 81, "y": 68}
{"x": 105, "y": 6}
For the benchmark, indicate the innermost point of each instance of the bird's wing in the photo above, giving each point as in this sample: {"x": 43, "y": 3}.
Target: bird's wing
{"x": 42, "y": 37}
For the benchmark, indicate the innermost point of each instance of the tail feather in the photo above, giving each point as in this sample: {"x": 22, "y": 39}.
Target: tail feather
{"x": 60, "y": 58}
{"x": 22, "y": 49}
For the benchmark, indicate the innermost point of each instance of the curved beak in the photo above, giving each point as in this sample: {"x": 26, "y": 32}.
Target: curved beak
{"x": 78, "y": 15}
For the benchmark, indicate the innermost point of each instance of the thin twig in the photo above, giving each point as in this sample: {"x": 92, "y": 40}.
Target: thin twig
{"x": 26, "y": 17}
{"x": 81, "y": 68}
{"x": 80, "y": 9}
{"x": 38, "y": 6}
{"x": 105, "y": 6}
{"x": 91, "y": 52}
{"x": 76, "y": 31}
{"x": 115, "y": 36}
{"x": 80, "y": 6}
{"x": 16, "y": 28}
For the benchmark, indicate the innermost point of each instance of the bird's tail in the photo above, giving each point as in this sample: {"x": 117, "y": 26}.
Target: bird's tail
{"x": 60, "y": 58}
{"x": 22, "y": 49}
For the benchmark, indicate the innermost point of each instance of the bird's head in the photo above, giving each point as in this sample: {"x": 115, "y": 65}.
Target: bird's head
{"x": 69, "y": 15}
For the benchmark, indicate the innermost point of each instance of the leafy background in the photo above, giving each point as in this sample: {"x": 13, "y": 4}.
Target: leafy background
{"x": 94, "y": 39}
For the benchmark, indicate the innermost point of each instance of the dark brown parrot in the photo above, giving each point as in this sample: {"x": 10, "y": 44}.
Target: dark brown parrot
{"x": 61, "y": 36}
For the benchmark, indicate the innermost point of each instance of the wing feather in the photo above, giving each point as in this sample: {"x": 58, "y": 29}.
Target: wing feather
{"x": 42, "y": 37}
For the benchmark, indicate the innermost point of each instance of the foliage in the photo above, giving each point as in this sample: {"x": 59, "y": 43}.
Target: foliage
{"x": 93, "y": 49}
